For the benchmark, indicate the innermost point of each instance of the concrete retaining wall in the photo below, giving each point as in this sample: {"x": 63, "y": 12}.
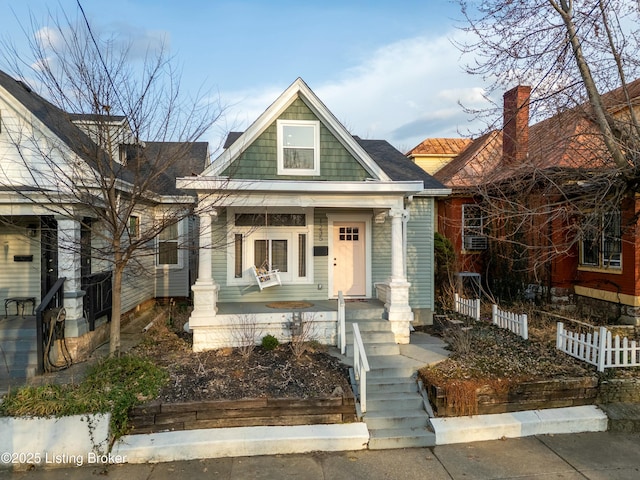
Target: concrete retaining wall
{"x": 50, "y": 442}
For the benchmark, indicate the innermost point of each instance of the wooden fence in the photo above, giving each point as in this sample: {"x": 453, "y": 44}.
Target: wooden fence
{"x": 517, "y": 323}
{"x": 467, "y": 306}
{"x": 598, "y": 348}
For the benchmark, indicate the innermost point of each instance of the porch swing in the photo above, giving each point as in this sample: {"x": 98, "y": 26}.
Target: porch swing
{"x": 265, "y": 275}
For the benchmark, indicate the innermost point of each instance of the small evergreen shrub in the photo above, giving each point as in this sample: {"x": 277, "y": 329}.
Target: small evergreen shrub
{"x": 269, "y": 342}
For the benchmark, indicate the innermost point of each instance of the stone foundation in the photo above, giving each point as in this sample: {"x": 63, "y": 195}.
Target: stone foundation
{"x": 611, "y": 312}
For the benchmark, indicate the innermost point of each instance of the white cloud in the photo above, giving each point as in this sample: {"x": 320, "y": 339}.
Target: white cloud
{"x": 49, "y": 38}
{"x": 403, "y": 93}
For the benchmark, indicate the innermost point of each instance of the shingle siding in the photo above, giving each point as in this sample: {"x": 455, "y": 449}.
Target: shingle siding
{"x": 259, "y": 160}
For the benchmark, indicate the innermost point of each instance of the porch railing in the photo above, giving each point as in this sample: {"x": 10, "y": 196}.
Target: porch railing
{"x": 516, "y": 323}
{"x": 598, "y": 348}
{"x": 98, "y": 295}
{"x": 467, "y": 306}
{"x": 342, "y": 328}
{"x": 360, "y": 367}
{"x": 53, "y": 299}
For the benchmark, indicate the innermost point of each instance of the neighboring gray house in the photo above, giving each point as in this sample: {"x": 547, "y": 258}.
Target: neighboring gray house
{"x": 40, "y": 239}
{"x": 297, "y": 193}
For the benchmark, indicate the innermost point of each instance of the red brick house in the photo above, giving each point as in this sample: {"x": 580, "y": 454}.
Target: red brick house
{"x": 576, "y": 256}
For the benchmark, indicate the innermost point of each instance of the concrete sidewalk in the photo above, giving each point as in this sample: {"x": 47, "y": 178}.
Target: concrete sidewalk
{"x": 602, "y": 455}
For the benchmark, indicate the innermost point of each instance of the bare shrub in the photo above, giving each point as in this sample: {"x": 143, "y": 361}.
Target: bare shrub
{"x": 303, "y": 333}
{"x": 245, "y": 332}
{"x": 459, "y": 339}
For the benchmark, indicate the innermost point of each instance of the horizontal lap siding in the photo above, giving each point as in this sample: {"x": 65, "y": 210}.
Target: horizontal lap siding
{"x": 381, "y": 251}
{"x": 137, "y": 284}
{"x": 18, "y": 279}
{"x": 420, "y": 268}
{"x": 259, "y": 160}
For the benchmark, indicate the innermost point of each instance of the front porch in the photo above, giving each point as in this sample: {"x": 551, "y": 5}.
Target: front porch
{"x": 316, "y": 320}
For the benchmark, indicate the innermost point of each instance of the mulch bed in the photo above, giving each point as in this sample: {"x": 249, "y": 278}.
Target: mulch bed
{"x": 226, "y": 374}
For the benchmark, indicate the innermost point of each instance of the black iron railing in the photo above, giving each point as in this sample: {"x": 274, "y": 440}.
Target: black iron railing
{"x": 97, "y": 298}
{"x": 53, "y": 299}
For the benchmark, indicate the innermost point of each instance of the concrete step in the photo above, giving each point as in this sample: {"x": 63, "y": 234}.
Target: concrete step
{"x": 406, "y": 385}
{"x": 20, "y": 357}
{"x": 372, "y": 336}
{"x": 400, "y": 403}
{"x": 10, "y": 334}
{"x": 389, "y": 420}
{"x": 391, "y": 366}
{"x": 376, "y": 349}
{"x": 17, "y": 372}
{"x": 18, "y": 345}
{"x": 368, "y": 326}
{"x": 401, "y": 438}
{"x": 363, "y": 312}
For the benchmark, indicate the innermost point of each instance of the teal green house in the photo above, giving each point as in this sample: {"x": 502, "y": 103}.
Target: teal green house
{"x": 296, "y": 208}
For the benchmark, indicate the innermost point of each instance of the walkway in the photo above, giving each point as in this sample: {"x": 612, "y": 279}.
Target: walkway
{"x": 578, "y": 456}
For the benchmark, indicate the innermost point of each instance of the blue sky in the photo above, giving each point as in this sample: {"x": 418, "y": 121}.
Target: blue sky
{"x": 386, "y": 69}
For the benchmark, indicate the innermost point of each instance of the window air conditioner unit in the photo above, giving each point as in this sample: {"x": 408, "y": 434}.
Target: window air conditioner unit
{"x": 475, "y": 242}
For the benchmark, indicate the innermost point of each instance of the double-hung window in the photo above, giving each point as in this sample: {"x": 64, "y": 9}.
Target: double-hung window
{"x": 298, "y": 147}
{"x": 168, "y": 251}
{"x": 601, "y": 242}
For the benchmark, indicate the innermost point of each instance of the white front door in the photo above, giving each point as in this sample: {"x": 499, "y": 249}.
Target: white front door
{"x": 349, "y": 258}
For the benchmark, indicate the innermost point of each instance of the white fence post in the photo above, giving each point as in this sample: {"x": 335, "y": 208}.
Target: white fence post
{"x": 524, "y": 325}
{"x": 559, "y": 337}
{"x": 494, "y": 314}
{"x": 602, "y": 349}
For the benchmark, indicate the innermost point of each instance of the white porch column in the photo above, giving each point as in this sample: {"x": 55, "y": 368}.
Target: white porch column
{"x": 69, "y": 267}
{"x": 398, "y": 310}
{"x": 205, "y": 290}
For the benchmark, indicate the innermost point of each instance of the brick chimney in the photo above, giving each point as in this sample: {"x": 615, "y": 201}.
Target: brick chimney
{"x": 515, "y": 132}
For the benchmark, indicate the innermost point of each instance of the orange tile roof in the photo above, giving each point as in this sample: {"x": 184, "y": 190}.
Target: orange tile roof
{"x": 441, "y": 146}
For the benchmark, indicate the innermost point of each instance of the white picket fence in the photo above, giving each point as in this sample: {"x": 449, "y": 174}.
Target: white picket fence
{"x": 517, "y": 323}
{"x": 467, "y": 306}
{"x": 598, "y": 348}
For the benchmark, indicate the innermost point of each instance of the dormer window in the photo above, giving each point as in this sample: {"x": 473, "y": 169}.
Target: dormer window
{"x": 298, "y": 147}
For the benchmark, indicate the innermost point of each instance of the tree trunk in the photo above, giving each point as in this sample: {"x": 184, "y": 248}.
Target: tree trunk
{"x": 116, "y": 311}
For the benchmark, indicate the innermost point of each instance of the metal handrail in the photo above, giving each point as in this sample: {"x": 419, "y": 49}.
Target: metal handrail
{"x": 54, "y": 296}
{"x": 97, "y": 300}
{"x": 360, "y": 367}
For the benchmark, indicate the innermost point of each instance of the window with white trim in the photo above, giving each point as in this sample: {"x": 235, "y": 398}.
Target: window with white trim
{"x": 473, "y": 236}
{"x": 273, "y": 241}
{"x": 167, "y": 246}
{"x": 134, "y": 226}
{"x": 601, "y": 242}
{"x": 298, "y": 147}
